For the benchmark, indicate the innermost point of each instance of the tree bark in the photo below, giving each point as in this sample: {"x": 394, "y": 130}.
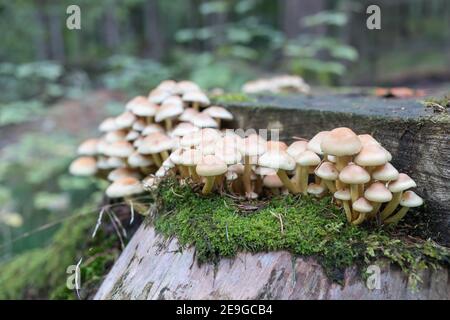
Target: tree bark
{"x": 153, "y": 33}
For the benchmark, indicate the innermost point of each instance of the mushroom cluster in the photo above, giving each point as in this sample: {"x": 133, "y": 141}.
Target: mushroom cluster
{"x": 175, "y": 132}
{"x": 277, "y": 84}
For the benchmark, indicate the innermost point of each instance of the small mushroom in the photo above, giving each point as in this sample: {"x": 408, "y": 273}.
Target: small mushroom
{"x": 345, "y": 197}
{"x": 280, "y": 161}
{"x": 125, "y": 120}
{"x": 377, "y": 194}
{"x": 203, "y": 120}
{"x": 218, "y": 113}
{"x": 109, "y": 124}
{"x": 123, "y": 172}
{"x": 157, "y": 144}
{"x": 252, "y": 146}
{"x": 196, "y": 99}
{"x": 371, "y": 156}
{"x": 342, "y": 143}
{"x": 328, "y": 173}
{"x": 409, "y": 200}
{"x": 190, "y": 158}
{"x": 184, "y": 128}
{"x": 315, "y": 189}
{"x": 167, "y": 112}
{"x": 88, "y": 147}
{"x": 141, "y": 107}
{"x": 362, "y": 207}
{"x": 355, "y": 176}
{"x": 83, "y": 166}
{"x": 124, "y": 187}
{"x": 403, "y": 182}
{"x": 188, "y": 114}
{"x": 274, "y": 183}
{"x": 210, "y": 167}
{"x": 304, "y": 161}
{"x": 314, "y": 143}
{"x": 386, "y": 172}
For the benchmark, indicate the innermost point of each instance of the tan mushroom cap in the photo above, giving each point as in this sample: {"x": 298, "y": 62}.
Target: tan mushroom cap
{"x": 168, "y": 111}
{"x": 343, "y": 194}
{"x": 120, "y": 149}
{"x": 109, "y": 124}
{"x": 238, "y": 168}
{"x": 377, "y": 192}
{"x": 362, "y": 205}
{"x": 231, "y": 175}
{"x": 211, "y": 166}
{"x": 123, "y": 172}
{"x": 132, "y": 135}
{"x": 196, "y": 96}
{"x": 367, "y": 139}
{"x": 218, "y": 112}
{"x": 307, "y": 158}
{"x": 272, "y": 181}
{"x": 123, "y": 187}
{"x": 263, "y": 171}
{"x": 332, "y": 158}
{"x": 125, "y": 120}
{"x": 186, "y": 86}
{"x": 315, "y": 189}
{"x": 277, "y": 160}
{"x": 139, "y": 125}
{"x": 341, "y": 142}
{"x": 253, "y": 145}
{"x": 296, "y": 148}
{"x": 88, "y": 147}
{"x": 116, "y": 162}
{"x": 83, "y": 166}
{"x": 354, "y": 174}
{"x": 102, "y": 163}
{"x": 410, "y": 199}
{"x": 167, "y": 85}
{"x": 158, "y": 95}
{"x": 327, "y": 171}
{"x": 386, "y": 172}
{"x": 402, "y": 183}
{"x": 176, "y": 155}
{"x": 191, "y": 157}
{"x": 184, "y": 128}
{"x": 371, "y": 155}
{"x": 152, "y": 128}
{"x": 155, "y": 143}
{"x": 315, "y": 142}
{"x": 276, "y": 145}
{"x": 141, "y": 107}
{"x": 150, "y": 183}
{"x": 114, "y": 136}
{"x": 136, "y": 160}
{"x": 203, "y": 120}
{"x": 188, "y": 114}
{"x": 173, "y": 100}
{"x": 230, "y": 156}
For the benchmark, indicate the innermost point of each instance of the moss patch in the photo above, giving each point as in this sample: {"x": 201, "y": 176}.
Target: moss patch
{"x": 233, "y": 97}
{"x": 218, "y": 226}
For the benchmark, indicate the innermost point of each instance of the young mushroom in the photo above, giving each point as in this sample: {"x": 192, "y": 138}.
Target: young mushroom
{"x": 403, "y": 182}
{"x": 354, "y": 176}
{"x": 124, "y": 187}
{"x": 196, "y": 99}
{"x": 345, "y": 197}
{"x": 342, "y": 143}
{"x": 304, "y": 161}
{"x": 386, "y": 173}
{"x": 190, "y": 158}
{"x": 280, "y": 161}
{"x": 377, "y": 194}
{"x": 218, "y": 113}
{"x": 83, "y": 166}
{"x": 274, "y": 183}
{"x": 315, "y": 189}
{"x": 328, "y": 173}
{"x": 409, "y": 200}
{"x": 141, "y": 107}
{"x": 362, "y": 207}
{"x": 167, "y": 112}
{"x": 210, "y": 167}
{"x": 252, "y": 146}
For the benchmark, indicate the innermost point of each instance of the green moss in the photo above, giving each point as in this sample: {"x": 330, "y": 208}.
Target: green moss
{"x": 233, "y": 97}
{"x": 219, "y": 226}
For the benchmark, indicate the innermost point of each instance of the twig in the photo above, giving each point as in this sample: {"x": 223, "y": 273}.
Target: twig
{"x": 99, "y": 222}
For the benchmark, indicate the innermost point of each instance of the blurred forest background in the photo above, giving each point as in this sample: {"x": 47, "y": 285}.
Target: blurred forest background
{"x": 56, "y": 84}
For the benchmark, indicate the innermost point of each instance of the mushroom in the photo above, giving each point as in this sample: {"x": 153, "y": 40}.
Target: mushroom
{"x": 238, "y": 168}
{"x": 370, "y": 156}
{"x": 88, "y": 147}
{"x": 167, "y": 112}
{"x": 157, "y": 144}
{"x": 196, "y": 99}
{"x": 304, "y": 161}
{"x": 409, "y": 200}
{"x": 190, "y": 158}
{"x": 315, "y": 189}
{"x": 296, "y": 148}
{"x": 137, "y": 160}
{"x": 250, "y": 147}
{"x": 124, "y": 187}
{"x": 377, "y": 194}
{"x": 188, "y": 114}
{"x": 354, "y": 175}
{"x": 210, "y": 167}
{"x": 280, "y": 161}
{"x": 83, "y": 166}
{"x": 367, "y": 139}
{"x": 363, "y": 207}
{"x": 158, "y": 95}
{"x": 176, "y": 157}
{"x": 328, "y": 173}
{"x": 125, "y": 120}
{"x": 184, "y": 128}
{"x": 132, "y": 135}
{"x": 342, "y": 143}
{"x": 403, "y": 182}
{"x": 203, "y": 120}
{"x": 186, "y": 86}
{"x": 123, "y": 172}
{"x": 218, "y": 113}
{"x": 121, "y": 149}
{"x": 386, "y": 172}
{"x": 345, "y": 197}
{"x": 273, "y": 182}
{"x": 141, "y": 107}
{"x": 139, "y": 125}
{"x": 114, "y": 136}
{"x": 152, "y": 128}
{"x": 314, "y": 143}
{"x": 109, "y": 124}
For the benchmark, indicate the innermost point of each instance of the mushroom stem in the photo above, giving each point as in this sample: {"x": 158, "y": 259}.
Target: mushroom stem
{"x": 390, "y": 207}
{"x": 164, "y": 155}
{"x": 247, "y": 175}
{"x": 258, "y": 184}
{"x": 219, "y": 122}
{"x": 354, "y": 192}
{"x": 341, "y": 162}
{"x": 275, "y": 191}
{"x": 360, "y": 219}
{"x": 193, "y": 173}
{"x": 149, "y": 120}
{"x": 397, "y": 217}
{"x": 303, "y": 176}
{"x": 195, "y": 105}
{"x": 376, "y": 207}
{"x": 219, "y": 181}
{"x": 209, "y": 184}
{"x": 286, "y": 181}
{"x": 330, "y": 185}
{"x": 184, "y": 172}
{"x": 348, "y": 211}
{"x": 168, "y": 123}
{"x": 157, "y": 159}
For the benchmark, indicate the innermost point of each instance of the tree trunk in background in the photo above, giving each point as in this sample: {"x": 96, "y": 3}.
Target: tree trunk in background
{"x": 111, "y": 27}
{"x": 55, "y": 19}
{"x": 39, "y": 40}
{"x": 292, "y": 11}
{"x": 153, "y": 32}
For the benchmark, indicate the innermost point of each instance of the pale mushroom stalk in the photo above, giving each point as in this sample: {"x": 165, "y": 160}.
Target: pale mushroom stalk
{"x": 209, "y": 184}
{"x": 354, "y": 191}
{"x": 169, "y": 124}
{"x": 302, "y": 178}
{"x": 409, "y": 199}
{"x": 157, "y": 159}
{"x": 149, "y": 120}
{"x": 360, "y": 219}
{"x": 164, "y": 155}
{"x": 193, "y": 173}
{"x": 196, "y": 106}
{"x": 376, "y": 207}
{"x": 247, "y": 174}
{"x": 348, "y": 210}
{"x": 286, "y": 181}
{"x": 342, "y": 162}
{"x": 392, "y": 205}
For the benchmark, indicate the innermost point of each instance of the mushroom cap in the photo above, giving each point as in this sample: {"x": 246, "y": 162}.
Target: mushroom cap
{"x": 231, "y": 175}
{"x": 184, "y": 128}
{"x": 211, "y": 166}
{"x": 186, "y": 86}
{"x": 149, "y": 183}
{"x": 123, "y": 172}
{"x": 125, "y": 120}
{"x": 354, "y": 174}
{"x": 228, "y": 142}
{"x": 120, "y": 149}
{"x": 168, "y": 111}
{"x": 402, "y": 183}
{"x": 362, "y": 205}
{"x": 367, "y": 139}
{"x": 327, "y": 171}
{"x": 132, "y": 135}
{"x": 296, "y": 148}
{"x": 155, "y": 143}
{"x": 253, "y": 145}
{"x": 188, "y": 114}
{"x": 161, "y": 172}
{"x": 410, "y": 199}
{"x": 230, "y": 156}
{"x": 332, "y": 158}
{"x": 341, "y": 142}
{"x": 83, "y": 166}
{"x": 272, "y": 181}
{"x": 386, "y": 172}
{"x": 158, "y": 95}
{"x": 371, "y": 155}
{"x": 141, "y": 107}
{"x": 116, "y": 135}
{"x": 102, "y": 163}
{"x": 109, "y": 124}
{"x": 218, "y": 112}
{"x": 277, "y": 160}
{"x": 196, "y": 96}
{"x": 206, "y": 136}
{"x": 238, "y": 168}
{"x": 175, "y": 156}
{"x": 276, "y": 145}
{"x": 203, "y": 120}
{"x": 263, "y": 171}
{"x": 136, "y": 160}
{"x": 116, "y": 162}
{"x": 125, "y": 186}
{"x": 377, "y": 192}
{"x": 343, "y": 194}
{"x": 168, "y": 164}
{"x": 88, "y": 147}
{"x": 191, "y": 157}
{"x": 152, "y": 128}
{"x": 307, "y": 158}
{"x": 173, "y": 100}
{"x": 314, "y": 143}
{"x": 139, "y": 125}
{"x": 315, "y": 189}
{"x": 167, "y": 85}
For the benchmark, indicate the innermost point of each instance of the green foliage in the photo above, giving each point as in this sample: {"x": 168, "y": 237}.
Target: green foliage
{"x": 217, "y": 228}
